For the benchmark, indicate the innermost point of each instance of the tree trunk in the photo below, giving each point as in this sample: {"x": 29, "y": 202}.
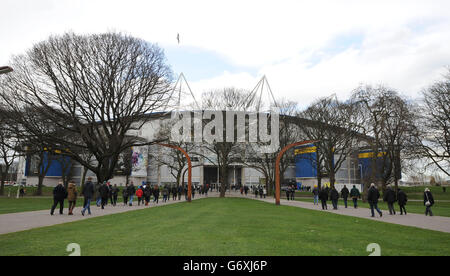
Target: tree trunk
{"x": 83, "y": 177}
{"x": 3, "y": 176}
{"x": 2, "y": 185}
{"x": 319, "y": 173}
{"x": 40, "y": 184}
{"x": 223, "y": 180}
{"x": 332, "y": 179}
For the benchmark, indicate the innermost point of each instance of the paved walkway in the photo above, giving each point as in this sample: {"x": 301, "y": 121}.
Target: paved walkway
{"x": 24, "y": 221}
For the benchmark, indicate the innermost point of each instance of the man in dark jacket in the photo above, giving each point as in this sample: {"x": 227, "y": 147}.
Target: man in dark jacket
{"x": 344, "y": 193}
{"x": 131, "y": 192}
{"x": 323, "y": 196}
{"x": 156, "y": 193}
{"x": 372, "y": 197}
{"x": 115, "y": 194}
{"x": 59, "y": 194}
{"x": 315, "y": 193}
{"x": 104, "y": 193}
{"x": 402, "y": 199}
{"x": 125, "y": 195}
{"x": 334, "y": 196}
{"x": 174, "y": 193}
{"x": 355, "y": 194}
{"x": 390, "y": 198}
{"x": 428, "y": 201}
{"x": 88, "y": 193}
{"x": 293, "y": 189}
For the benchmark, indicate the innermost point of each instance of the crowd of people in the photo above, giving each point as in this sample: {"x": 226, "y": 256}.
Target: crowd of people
{"x": 373, "y": 197}
{"x": 106, "y": 192}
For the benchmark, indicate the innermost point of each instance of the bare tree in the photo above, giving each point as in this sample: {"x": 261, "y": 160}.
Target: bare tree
{"x": 9, "y": 145}
{"x": 435, "y": 122}
{"x": 333, "y": 124}
{"x": 99, "y": 89}
{"x": 172, "y": 158}
{"x": 226, "y": 152}
{"x": 288, "y": 133}
{"x": 390, "y": 122}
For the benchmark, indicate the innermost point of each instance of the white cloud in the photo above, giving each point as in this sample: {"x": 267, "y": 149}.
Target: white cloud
{"x": 405, "y": 43}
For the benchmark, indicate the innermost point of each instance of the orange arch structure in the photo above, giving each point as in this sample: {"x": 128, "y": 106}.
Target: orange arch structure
{"x": 189, "y": 167}
{"x": 277, "y": 167}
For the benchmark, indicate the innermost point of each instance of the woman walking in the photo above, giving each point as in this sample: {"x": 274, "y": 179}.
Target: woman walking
{"x": 147, "y": 194}
{"x": 402, "y": 199}
{"x": 139, "y": 194}
{"x": 390, "y": 198}
{"x": 428, "y": 201}
{"x": 165, "y": 194}
{"x": 72, "y": 194}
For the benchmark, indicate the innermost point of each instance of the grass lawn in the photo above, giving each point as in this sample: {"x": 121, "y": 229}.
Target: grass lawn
{"x": 226, "y": 227}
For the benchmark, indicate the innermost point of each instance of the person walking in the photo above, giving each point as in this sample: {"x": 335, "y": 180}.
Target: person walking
{"x": 315, "y": 193}
{"x": 125, "y": 195}
{"x": 88, "y": 193}
{"x": 147, "y": 194}
{"x": 110, "y": 193}
{"x": 390, "y": 198}
{"x": 355, "y": 194}
{"x": 98, "y": 194}
{"x": 372, "y": 197}
{"x": 344, "y": 193}
{"x": 156, "y": 194}
{"x": 165, "y": 194}
{"x": 174, "y": 193}
{"x": 288, "y": 192}
{"x": 265, "y": 192}
{"x": 293, "y": 192}
{"x": 104, "y": 193}
{"x": 334, "y": 196}
{"x": 402, "y": 199}
{"x": 72, "y": 195}
{"x": 261, "y": 192}
{"x": 139, "y": 194}
{"x": 428, "y": 201}
{"x": 131, "y": 192}
{"x": 168, "y": 192}
{"x": 59, "y": 195}
{"x": 180, "y": 192}
{"x": 115, "y": 194}
{"x": 323, "y": 196}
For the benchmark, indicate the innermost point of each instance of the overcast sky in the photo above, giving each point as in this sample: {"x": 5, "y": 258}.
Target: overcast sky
{"x": 307, "y": 49}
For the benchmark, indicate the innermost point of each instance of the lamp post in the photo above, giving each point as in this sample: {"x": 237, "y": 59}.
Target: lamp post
{"x": 5, "y": 69}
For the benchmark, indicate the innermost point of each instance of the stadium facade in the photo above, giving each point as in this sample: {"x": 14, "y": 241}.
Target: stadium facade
{"x": 147, "y": 169}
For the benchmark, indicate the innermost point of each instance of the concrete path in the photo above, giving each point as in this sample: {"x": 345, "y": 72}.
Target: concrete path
{"x": 24, "y": 221}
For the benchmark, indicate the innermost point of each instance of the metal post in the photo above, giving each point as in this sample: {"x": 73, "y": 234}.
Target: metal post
{"x": 277, "y": 168}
